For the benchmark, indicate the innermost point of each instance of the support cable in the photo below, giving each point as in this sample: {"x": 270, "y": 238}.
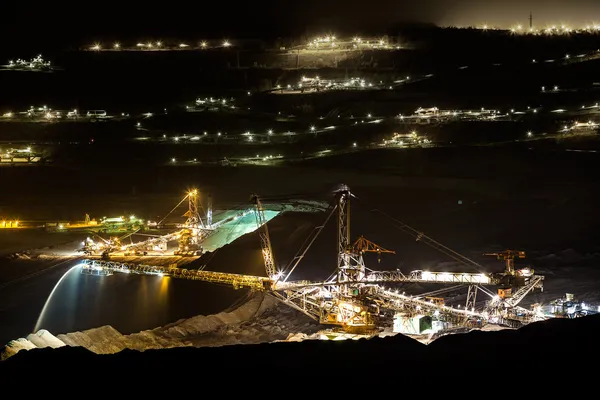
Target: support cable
{"x": 310, "y": 239}
{"x": 174, "y": 208}
{"x": 420, "y": 236}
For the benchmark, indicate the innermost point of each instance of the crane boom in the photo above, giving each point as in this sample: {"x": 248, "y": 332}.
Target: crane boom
{"x": 536, "y": 281}
{"x": 401, "y": 302}
{"x": 363, "y": 245}
{"x": 418, "y": 276}
{"x": 97, "y": 267}
{"x": 265, "y": 240}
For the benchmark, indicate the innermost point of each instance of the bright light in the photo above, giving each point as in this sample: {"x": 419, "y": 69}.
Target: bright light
{"x": 96, "y": 47}
{"x": 312, "y": 128}
{"x": 226, "y": 43}
{"x": 117, "y": 45}
{"x": 203, "y": 44}
{"x": 277, "y": 275}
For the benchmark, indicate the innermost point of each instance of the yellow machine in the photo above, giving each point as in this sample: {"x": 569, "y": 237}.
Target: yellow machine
{"x": 189, "y": 244}
{"x": 436, "y": 300}
{"x": 363, "y": 245}
{"x": 509, "y": 256}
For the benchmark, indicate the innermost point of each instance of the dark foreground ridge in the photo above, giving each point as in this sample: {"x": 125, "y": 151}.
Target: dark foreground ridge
{"x": 539, "y": 347}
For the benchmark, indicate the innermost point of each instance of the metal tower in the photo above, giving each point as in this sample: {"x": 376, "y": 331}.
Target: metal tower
{"x": 471, "y": 298}
{"x": 265, "y": 240}
{"x": 192, "y": 214}
{"x": 530, "y": 20}
{"x": 351, "y": 266}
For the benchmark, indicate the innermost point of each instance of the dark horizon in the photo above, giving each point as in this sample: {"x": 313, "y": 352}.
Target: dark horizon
{"x": 62, "y": 24}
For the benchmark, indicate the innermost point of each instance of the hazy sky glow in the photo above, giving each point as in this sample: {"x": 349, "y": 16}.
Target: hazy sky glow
{"x": 283, "y": 17}
{"x": 502, "y": 13}
{"x": 506, "y": 13}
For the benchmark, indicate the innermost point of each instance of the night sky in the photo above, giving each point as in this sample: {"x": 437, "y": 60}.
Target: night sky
{"x": 64, "y": 21}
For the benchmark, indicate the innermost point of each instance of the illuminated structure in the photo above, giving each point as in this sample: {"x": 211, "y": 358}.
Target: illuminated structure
{"x": 189, "y": 236}
{"x": 194, "y": 231}
{"x": 14, "y": 156}
{"x": 35, "y": 64}
{"x": 159, "y": 45}
{"x": 117, "y": 224}
{"x": 9, "y": 224}
{"x": 352, "y": 298}
{"x": 569, "y": 307}
{"x": 331, "y": 42}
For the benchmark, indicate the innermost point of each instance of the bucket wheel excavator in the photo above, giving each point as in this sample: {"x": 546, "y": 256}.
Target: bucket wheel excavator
{"x": 355, "y": 298}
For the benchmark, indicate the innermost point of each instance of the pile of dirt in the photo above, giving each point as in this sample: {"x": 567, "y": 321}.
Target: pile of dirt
{"x": 259, "y": 319}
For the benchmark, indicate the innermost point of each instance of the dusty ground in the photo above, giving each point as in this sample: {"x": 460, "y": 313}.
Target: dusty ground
{"x": 258, "y": 319}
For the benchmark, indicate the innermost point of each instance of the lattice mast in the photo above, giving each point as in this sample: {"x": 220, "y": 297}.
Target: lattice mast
{"x": 265, "y": 240}
{"x": 350, "y": 266}
{"x": 192, "y": 214}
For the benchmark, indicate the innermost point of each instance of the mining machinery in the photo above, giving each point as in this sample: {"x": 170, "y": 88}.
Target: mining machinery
{"x": 265, "y": 240}
{"x": 121, "y": 224}
{"x": 195, "y": 230}
{"x": 512, "y": 277}
{"x": 363, "y": 245}
{"x": 355, "y": 298}
{"x": 189, "y": 236}
{"x": 103, "y": 246}
{"x": 569, "y": 307}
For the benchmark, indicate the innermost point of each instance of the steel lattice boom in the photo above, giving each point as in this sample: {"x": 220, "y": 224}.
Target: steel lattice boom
{"x": 431, "y": 277}
{"x": 412, "y": 305}
{"x": 97, "y": 267}
{"x": 265, "y": 240}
